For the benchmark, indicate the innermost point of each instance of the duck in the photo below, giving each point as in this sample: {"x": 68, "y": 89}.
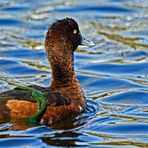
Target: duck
{"x": 65, "y": 96}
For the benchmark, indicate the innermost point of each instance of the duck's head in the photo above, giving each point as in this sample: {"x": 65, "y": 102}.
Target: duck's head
{"x": 65, "y": 35}
{"x": 62, "y": 39}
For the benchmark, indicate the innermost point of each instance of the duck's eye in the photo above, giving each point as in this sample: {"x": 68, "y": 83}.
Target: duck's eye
{"x": 75, "y": 31}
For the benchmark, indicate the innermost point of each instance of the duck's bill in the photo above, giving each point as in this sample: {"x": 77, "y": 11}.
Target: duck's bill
{"x": 86, "y": 42}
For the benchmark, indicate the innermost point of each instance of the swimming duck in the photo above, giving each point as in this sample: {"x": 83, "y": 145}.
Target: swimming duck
{"x": 65, "y": 96}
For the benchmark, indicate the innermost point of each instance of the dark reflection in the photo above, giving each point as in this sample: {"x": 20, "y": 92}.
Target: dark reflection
{"x": 63, "y": 139}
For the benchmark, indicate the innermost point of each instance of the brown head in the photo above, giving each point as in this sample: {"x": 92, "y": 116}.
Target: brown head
{"x": 62, "y": 39}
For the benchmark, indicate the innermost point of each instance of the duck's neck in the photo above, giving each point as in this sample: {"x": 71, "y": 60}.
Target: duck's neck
{"x": 62, "y": 69}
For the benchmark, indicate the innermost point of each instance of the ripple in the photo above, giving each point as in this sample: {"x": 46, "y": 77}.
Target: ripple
{"x": 127, "y": 129}
{"x": 131, "y": 97}
{"x": 10, "y": 22}
{"x": 11, "y": 67}
{"x": 5, "y": 126}
{"x": 21, "y": 142}
{"x": 23, "y": 54}
{"x": 15, "y": 8}
{"x": 105, "y": 9}
{"x": 113, "y": 68}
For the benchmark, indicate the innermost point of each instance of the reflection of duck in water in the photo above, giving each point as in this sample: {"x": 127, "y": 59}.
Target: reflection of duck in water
{"x": 64, "y": 96}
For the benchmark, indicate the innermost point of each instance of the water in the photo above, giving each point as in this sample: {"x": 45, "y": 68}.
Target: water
{"x": 114, "y": 73}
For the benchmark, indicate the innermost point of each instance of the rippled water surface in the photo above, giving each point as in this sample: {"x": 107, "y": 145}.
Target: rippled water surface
{"x": 114, "y": 73}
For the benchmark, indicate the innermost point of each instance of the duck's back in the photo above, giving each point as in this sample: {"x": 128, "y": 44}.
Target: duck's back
{"x": 20, "y": 103}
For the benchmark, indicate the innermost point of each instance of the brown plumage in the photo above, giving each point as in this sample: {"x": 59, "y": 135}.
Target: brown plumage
{"x": 65, "y": 96}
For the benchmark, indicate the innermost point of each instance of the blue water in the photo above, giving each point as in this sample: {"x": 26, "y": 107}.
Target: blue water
{"x": 114, "y": 73}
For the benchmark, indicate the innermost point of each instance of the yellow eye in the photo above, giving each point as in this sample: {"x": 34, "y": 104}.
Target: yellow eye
{"x": 75, "y": 31}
